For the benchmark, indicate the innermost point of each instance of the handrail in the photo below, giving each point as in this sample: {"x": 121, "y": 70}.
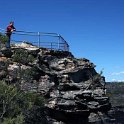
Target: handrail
{"x": 53, "y": 41}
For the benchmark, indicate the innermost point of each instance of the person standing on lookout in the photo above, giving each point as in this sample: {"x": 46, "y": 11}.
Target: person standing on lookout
{"x": 10, "y": 28}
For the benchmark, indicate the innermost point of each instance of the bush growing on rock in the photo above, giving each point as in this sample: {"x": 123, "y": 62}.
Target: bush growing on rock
{"x": 22, "y": 56}
{"x": 14, "y": 104}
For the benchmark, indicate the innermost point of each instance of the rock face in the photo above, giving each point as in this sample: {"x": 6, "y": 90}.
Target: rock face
{"x": 74, "y": 91}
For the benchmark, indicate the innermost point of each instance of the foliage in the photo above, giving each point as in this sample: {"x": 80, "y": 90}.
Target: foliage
{"x": 14, "y": 103}
{"x": 97, "y": 80}
{"x": 3, "y": 38}
{"x": 33, "y": 99}
{"x": 9, "y": 103}
{"x": 22, "y": 56}
{"x": 98, "y": 77}
{"x": 29, "y": 74}
{"x": 17, "y": 120}
{"x": 3, "y": 69}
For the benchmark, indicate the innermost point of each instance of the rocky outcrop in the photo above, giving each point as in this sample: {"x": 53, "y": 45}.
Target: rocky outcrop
{"x": 74, "y": 91}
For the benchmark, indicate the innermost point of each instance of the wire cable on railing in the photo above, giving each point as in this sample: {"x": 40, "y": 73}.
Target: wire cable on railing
{"x": 35, "y": 33}
{"x": 28, "y": 33}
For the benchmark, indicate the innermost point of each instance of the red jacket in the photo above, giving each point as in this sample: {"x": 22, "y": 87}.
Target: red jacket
{"x": 9, "y": 29}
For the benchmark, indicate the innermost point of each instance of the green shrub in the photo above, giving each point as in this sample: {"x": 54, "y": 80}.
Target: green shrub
{"x": 3, "y": 38}
{"x": 17, "y": 120}
{"x": 9, "y": 97}
{"x": 22, "y": 56}
{"x": 14, "y": 103}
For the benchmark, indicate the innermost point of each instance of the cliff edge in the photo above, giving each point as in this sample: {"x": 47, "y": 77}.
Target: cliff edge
{"x": 74, "y": 91}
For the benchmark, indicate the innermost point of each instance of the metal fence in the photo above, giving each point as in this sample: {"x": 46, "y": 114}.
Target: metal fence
{"x": 52, "y": 41}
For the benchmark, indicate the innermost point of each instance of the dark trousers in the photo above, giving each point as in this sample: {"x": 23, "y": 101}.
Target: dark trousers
{"x": 8, "y": 42}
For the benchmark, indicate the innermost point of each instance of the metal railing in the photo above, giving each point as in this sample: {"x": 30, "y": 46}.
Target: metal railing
{"x": 52, "y": 41}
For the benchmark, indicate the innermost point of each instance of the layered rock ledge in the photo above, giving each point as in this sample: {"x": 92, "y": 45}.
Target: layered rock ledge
{"x": 74, "y": 91}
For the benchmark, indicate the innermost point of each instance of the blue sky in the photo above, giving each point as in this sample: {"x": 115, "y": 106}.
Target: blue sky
{"x": 94, "y": 29}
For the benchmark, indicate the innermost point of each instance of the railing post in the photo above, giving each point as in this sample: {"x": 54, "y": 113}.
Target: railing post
{"x": 67, "y": 47}
{"x": 51, "y": 46}
{"x": 38, "y": 39}
{"x": 59, "y": 42}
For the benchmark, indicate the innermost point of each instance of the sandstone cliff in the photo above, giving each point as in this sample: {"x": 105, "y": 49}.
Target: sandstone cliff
{"x": 74, "y": 91}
